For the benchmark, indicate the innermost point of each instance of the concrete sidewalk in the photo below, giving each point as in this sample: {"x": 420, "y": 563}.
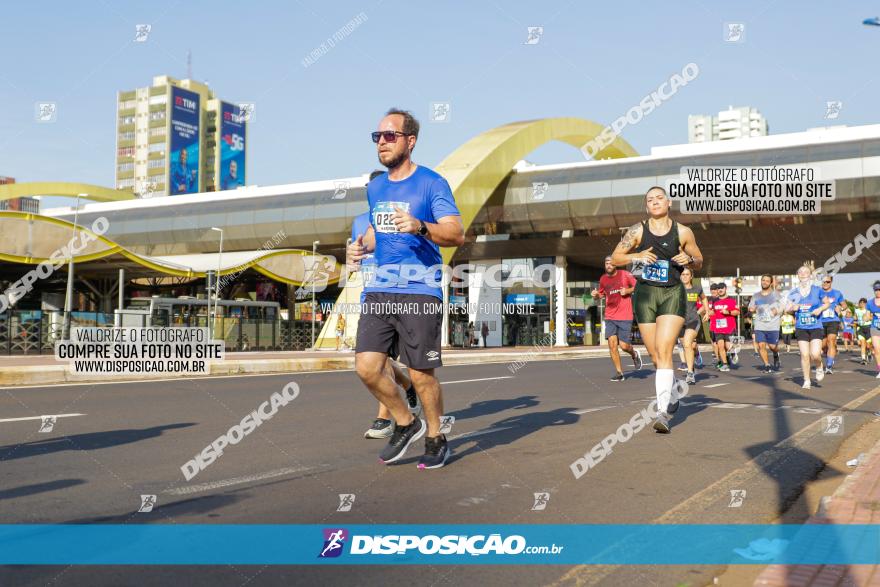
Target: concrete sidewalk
{"x": 856, "y": 501}
{"x": 45, "y": 370}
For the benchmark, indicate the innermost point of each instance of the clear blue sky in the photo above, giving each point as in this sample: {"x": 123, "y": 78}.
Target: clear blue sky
{"x": 595, "y": 60}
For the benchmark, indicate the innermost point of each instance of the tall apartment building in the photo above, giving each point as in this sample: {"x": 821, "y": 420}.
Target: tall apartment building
{"x": 176, "y": 137}
{"x": 25, "y": 204}
{"x": 733, "y": 123}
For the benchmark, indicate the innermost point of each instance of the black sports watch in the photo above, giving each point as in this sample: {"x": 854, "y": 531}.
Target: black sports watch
{"x": 423, "y": 228}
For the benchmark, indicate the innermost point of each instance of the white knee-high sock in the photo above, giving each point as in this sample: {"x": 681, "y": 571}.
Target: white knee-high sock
{"x": 663, "y": 381}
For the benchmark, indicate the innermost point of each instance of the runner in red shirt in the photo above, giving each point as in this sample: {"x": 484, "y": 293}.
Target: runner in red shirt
{"x": 617, "y": 286}
{"x": 722, "y": 324}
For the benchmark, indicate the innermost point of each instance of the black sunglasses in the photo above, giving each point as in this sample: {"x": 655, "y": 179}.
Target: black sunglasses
{"x": 390, "y": 136}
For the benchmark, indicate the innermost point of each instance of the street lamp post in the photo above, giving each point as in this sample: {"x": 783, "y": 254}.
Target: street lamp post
{"x": 68, "y": 298}
{"x": 314, "y": 264}
{"x": 217, "y": 283}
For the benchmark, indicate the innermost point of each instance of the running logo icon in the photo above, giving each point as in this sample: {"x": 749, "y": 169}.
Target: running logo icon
{"x": 346, "y": 500}
{"x": 737, "y": 497}
{"x": 446, "y": 423}
{"x": 341, "y": 190}
{"x": 47, "y": 423}
{"x": 541, "y": 500}
{"x": 334, "y": 542}
{"x": 832, "y": 109}
{"x": 833, "y": 425}
{"x": 539, "y": 189}
{"x": 147, "y": 504}
{"x": 734, "y": 32}
{"x": 534, "y": 35}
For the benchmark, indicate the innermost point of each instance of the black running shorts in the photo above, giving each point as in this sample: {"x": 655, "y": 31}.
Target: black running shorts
{"x": 808, "y": 334}
{"x": 406, "y": 323}
{"x": 831, "y": 327}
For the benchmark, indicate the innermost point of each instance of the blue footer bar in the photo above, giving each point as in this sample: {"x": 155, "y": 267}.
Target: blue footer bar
{"x": 525, "y": 544}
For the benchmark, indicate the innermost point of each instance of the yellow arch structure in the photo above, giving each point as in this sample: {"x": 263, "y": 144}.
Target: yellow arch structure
{"x": 477, "y": 167}
{"x": 61, "y": 188}
{"x": 56, "y": 233}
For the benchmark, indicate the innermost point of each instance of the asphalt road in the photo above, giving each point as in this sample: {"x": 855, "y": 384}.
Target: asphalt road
{"x": 514, "y": 435}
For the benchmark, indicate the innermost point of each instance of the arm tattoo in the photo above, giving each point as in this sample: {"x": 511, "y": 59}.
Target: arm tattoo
{"x": 628, "y": 242}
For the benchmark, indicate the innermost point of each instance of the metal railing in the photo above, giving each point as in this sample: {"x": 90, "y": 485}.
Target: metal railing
{"x": 34, "y": 332}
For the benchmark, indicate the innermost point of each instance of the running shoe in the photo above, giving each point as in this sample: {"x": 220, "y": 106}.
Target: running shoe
{"x": 699, "y": 363}
{"x": 638, "y": 360}
{"x": 829, "y": 370}
{"x": 806, "y": 384}
{"x": 724, "y": 368}
{"x": 381, "y": 428}
{"x": 412, "y": 400}
{"x": 820, "y": 373}
{"x": 401, "y": 438}
{"x": 718, "y": 365}
{"x": 437, "y": 452}
{"x": 878, "y": 374}
{"x": 690, "y": 378}
{"x": 618, "y": 377}
{"x": 661, "y": 424}
{"x": 734, "y": 358}
{"x": 776, "y": 364}
{"x": 683, "y": 367}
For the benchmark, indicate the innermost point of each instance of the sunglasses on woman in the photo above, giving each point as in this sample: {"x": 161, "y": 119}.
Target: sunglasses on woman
{"x": 390, "y": 136}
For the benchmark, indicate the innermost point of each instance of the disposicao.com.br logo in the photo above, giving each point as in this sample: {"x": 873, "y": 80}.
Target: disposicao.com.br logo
{"x": 430, "y": 544}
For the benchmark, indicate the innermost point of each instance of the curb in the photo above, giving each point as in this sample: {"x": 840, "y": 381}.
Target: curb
{"x": 32, "y": 375}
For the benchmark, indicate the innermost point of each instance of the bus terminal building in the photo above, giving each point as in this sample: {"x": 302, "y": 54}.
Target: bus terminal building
{"x": 517, "y": 216}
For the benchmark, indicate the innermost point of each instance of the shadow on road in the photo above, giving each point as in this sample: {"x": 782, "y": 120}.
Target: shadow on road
{"x": 35, "y": 488}
{"x": 515, "y": 428}
{"x": 86, "y": 441}
{"x": 493, "y": 406}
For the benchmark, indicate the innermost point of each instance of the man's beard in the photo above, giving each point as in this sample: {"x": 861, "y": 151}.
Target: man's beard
{"x": 395, "y": 162}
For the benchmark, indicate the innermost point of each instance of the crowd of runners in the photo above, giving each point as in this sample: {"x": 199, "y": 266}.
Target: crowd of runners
{"x": 412, "y": 213}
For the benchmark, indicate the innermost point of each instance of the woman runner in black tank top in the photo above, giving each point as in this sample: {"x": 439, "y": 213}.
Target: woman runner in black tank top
{"x": 663, "y": 272}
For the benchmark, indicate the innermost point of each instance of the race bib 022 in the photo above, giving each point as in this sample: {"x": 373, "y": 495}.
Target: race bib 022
{"x": 383, "y": 215}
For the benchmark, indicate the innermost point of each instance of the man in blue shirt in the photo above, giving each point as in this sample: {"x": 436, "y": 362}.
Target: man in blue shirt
{"x": 831, "y": 321}
{"x": 382, "y": 426}
{"x": 412, "y": 214}
{"x": 182, "y": 177}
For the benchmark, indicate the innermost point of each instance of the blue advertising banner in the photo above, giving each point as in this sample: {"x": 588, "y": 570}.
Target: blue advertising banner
{"x": 440, "y": 544}
{"x": 232, "y": 153}
{"x": 184, "y": 156}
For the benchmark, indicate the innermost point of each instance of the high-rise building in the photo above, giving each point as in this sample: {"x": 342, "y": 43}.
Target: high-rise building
{"x": 733, "y": 123}
{"x": 176, "y": 137}
{"x": 25, "y": 204}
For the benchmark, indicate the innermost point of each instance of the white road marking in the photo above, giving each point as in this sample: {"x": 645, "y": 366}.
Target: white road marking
{"x": 40, "y": 417}
{"x": 479, "y": 432}
{"x": 716, "y": 385}
{"x": 190, "y": 489}
{"x": 588, "y": 410}
{"x": 472, "y": 380}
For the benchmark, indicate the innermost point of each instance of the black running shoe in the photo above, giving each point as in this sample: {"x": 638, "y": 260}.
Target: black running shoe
{"x": 412, "y": 399}
{"x": 437, "y": 452}
{"x": 776, "y": 364}
{"x": 618, "y": 377}
{"x": 381, "y": 428}
{"x": 401, "y": 438}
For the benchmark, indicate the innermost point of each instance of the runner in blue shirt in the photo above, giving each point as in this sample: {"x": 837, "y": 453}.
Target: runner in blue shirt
{"x": 382, "y": 426}
{"x": 874, "y": 308}
{"x": 830, "y": 319}
{"x": 412, "y": 214}
{"x": 805, "y": 301}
